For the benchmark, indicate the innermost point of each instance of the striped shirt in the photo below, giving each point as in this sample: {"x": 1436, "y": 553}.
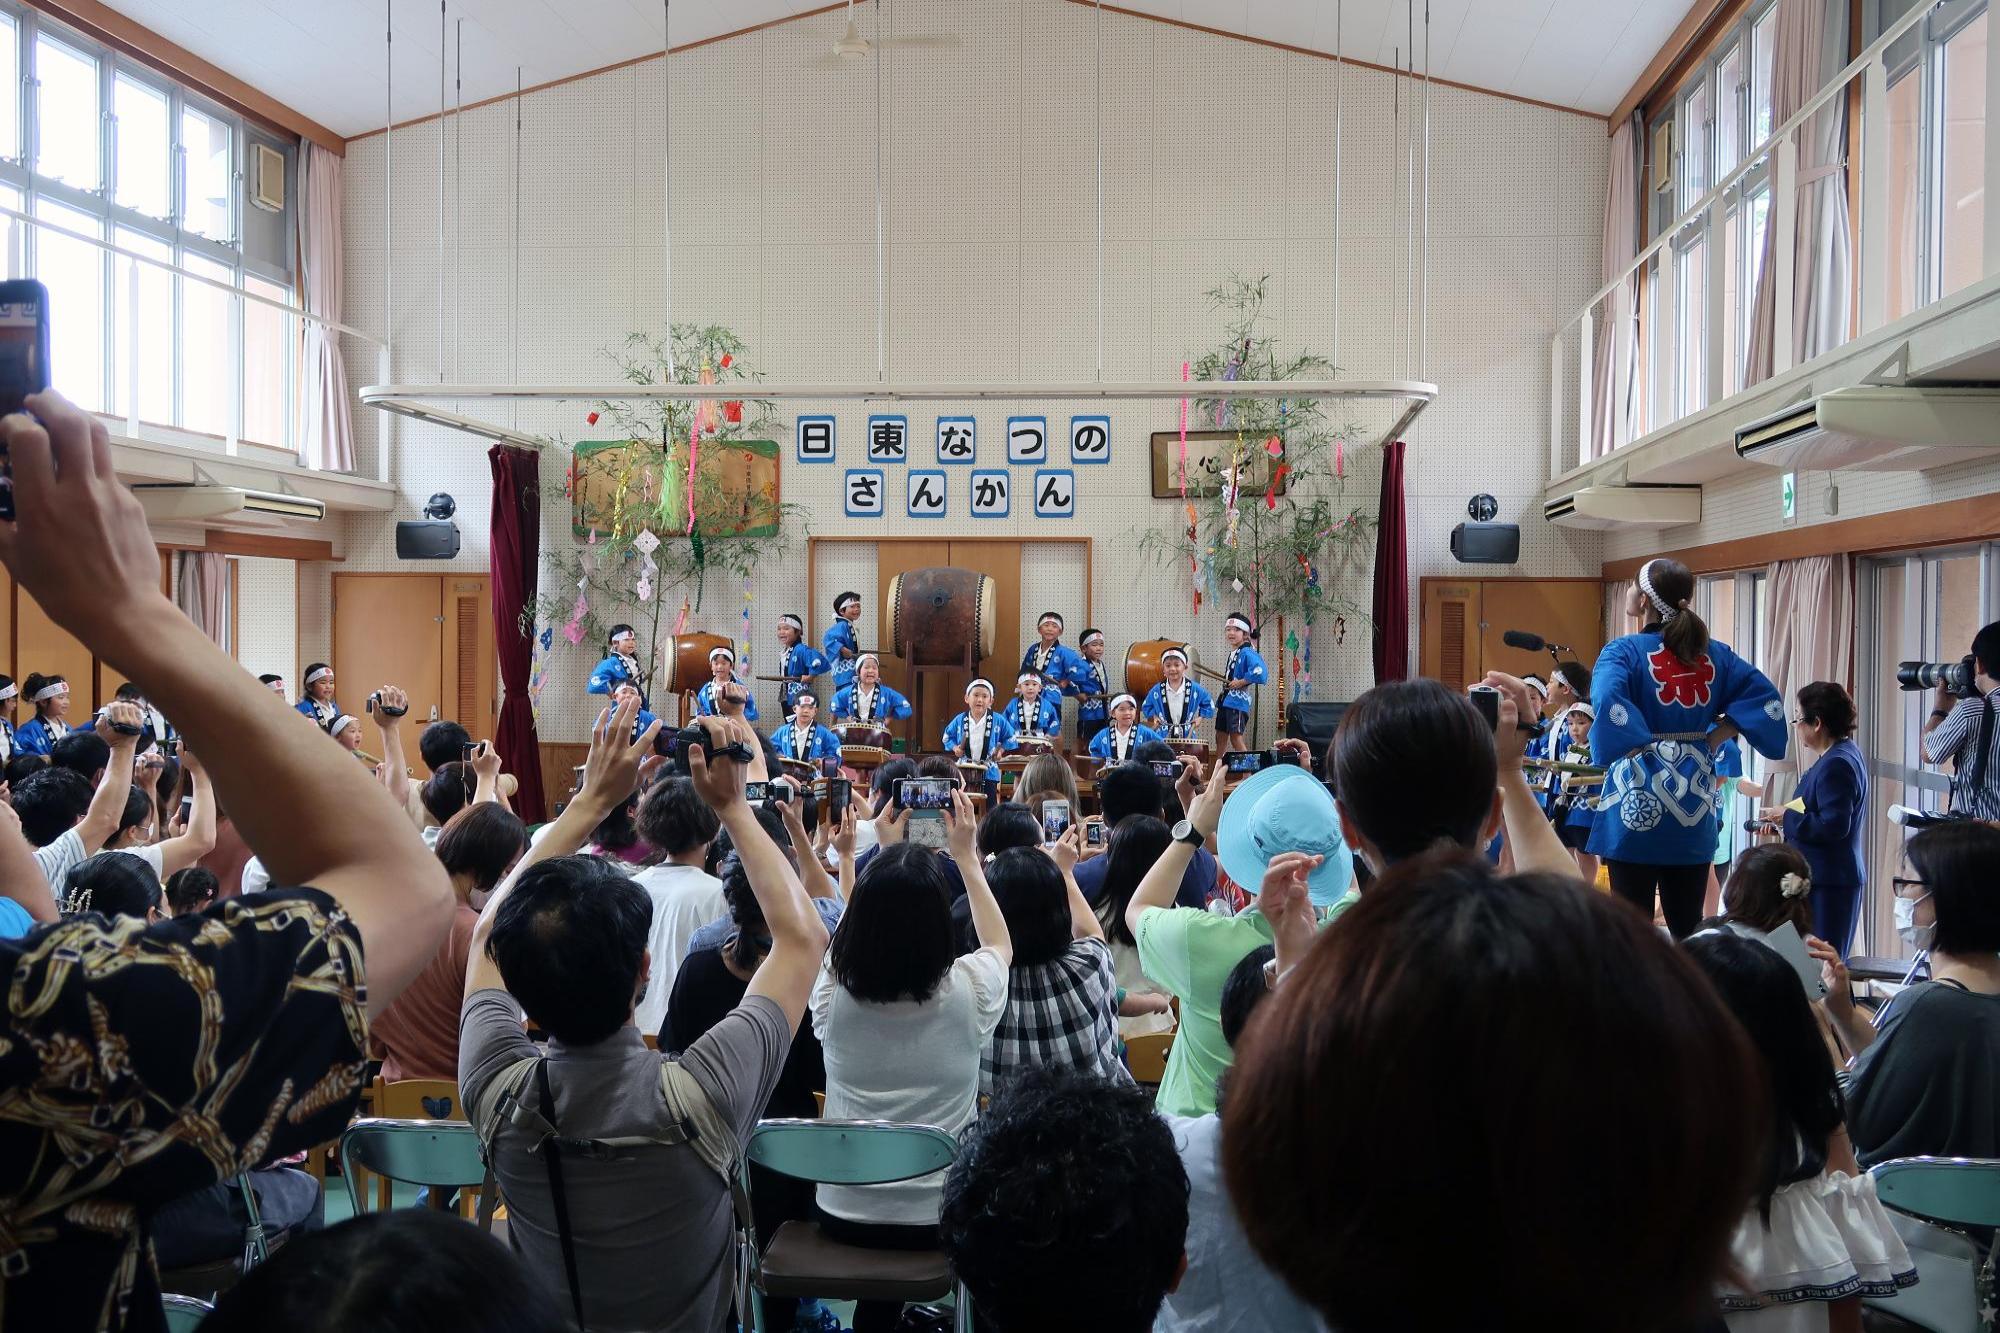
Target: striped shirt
{"x": 1955, "y": 738}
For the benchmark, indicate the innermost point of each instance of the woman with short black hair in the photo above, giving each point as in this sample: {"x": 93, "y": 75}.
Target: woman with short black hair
{"x": 902, "y": 1021}
{"x": 1825, "y": 820}
{"x": 1930, "y": 1082}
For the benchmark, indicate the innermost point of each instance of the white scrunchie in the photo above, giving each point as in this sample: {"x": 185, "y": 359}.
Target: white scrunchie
{"x": 1794, "y": 885}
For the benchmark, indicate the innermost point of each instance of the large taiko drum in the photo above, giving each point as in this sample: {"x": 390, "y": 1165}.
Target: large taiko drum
{"x": 935, "y": 614}
{"x": 1142, "y": 665}
{"x": 864, "y": 747}
{"x": 690, "y": 660}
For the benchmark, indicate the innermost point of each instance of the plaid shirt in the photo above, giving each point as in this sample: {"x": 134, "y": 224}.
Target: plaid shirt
{"x": 1062, "y": 1012}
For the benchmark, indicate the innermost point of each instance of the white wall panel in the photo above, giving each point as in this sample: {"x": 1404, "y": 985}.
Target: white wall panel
{"x": 1218, "y": 157}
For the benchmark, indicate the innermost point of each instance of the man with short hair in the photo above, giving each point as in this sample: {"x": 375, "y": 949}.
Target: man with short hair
{"x": 84, "y": 753}
{"x": 1966, "y": 732}
{"x": 616, "y": 1161}
{"x": 442, "y": 743}
{"x": 1129, "y": 789}
{"x": 676, "y": 823}
{"x": 63, "y": 819}
{"x": 1067, "y": 1206}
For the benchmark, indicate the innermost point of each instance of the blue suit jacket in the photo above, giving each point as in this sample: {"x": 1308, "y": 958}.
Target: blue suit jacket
{"x": 1829, "y": 834}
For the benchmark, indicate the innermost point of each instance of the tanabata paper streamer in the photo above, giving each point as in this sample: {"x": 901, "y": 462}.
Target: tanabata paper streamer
{"x": 681, "y": 620}
{"x": 743, "y": 662}
{"x": 1339, "y": 459}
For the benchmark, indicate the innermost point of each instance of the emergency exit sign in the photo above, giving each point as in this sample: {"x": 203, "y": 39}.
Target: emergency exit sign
{"x": 1789, "y": 487}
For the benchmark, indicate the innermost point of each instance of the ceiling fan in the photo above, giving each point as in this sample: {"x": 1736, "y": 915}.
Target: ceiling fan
{"x": 851, "y": 45}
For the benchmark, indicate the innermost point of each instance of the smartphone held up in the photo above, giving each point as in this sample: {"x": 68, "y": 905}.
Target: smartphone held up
{"x": 24, "y": 361}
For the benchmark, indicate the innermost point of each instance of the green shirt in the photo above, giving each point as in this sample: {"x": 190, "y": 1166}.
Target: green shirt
{"x": 1191, "y": 953}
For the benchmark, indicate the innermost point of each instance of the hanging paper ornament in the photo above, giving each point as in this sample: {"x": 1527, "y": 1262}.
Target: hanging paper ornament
{"x": 681, "y": 620}
{"x": 732, "y": 411}
{"x": 573, "y": 632}
{"x": 1236, "y": 585}
{"x": 590, "y": 419}
{"x": 1339, "y": 459}
{"x": 705, "y": 410}
{"x": 727, "y": 358}
{"x": 645, "y": 588}
{"x": 646, "y": 542}
{"x": 1273, "y": 447}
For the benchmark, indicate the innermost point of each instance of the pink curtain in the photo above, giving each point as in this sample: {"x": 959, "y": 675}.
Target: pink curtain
{"x": 1808, "y": 633}
{"x": 1617, "y": 623}
{"x": 202, "y": 592}
{"x": 1821, "y": 262}
{"x": 1611, "y": 385}
{"x": 326, "y": 435}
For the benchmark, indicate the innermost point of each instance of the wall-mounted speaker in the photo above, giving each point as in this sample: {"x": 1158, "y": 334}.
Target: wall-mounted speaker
{"x": 426, "y": 540}
{"x": 1486, "y": 543}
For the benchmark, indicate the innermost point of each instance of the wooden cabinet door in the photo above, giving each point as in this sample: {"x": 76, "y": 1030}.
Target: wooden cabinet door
{"x": 388, "y": 629}
{"x": 1451, "y": 632}
{"x": 1565, "y": 611}
{"x": 42, "y": 645}
{"x": 467, "y": 669}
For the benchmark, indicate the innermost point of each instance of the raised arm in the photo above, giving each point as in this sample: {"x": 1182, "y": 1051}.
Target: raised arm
{"x": 987, "y": 921}
{"x": 1160, "y": 884}
{"x": 107, "y": 806}
{"x": 1533, "y": 838}
{"x": 199, "y": 838}
{"x": 21, "y": 875}
{"x": 798, "y": 936}
{"x": 395, "y": 765}
{"x": 817, "y": 883}
{"x": 486, "y": 768}
{"x": 843, "y": 846}
{"x": 1083, "y": 922}
{"x": 81, "y": 547}
{"x": 610, "y": 772}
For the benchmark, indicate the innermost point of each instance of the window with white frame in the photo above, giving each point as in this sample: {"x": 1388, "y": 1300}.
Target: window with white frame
{"x": 1936, "y": 151}
{"x": 1720, "y": 117}
{"x": 111, "y": 156}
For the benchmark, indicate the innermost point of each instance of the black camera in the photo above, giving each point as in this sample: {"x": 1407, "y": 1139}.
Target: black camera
{"x": 375, "y": 703}
{"x": 696, "y": 734}
{"x": 1955, "y": 677}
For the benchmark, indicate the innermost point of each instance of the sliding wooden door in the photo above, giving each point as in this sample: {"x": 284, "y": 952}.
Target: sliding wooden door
{"x": 1464, "y": 621}
{"x": 430, "y": 634}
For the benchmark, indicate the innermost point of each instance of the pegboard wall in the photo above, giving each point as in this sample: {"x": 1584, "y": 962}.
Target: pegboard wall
{"x": 1218, "y": 158}
{"x": 267, "y": 638}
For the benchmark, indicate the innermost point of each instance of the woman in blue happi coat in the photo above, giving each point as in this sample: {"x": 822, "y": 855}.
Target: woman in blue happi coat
{"x": 1666, "y": 699}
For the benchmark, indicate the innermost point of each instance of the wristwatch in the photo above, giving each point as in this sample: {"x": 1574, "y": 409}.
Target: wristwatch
{"x": 1186, "y": 832}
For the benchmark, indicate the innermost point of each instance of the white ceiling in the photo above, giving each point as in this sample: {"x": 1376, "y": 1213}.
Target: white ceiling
{"x": 324, "y": 57}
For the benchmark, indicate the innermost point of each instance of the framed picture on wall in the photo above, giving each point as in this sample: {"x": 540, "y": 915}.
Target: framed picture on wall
{"x": 1208, "y": 455}
{"x": 736, "y": 485}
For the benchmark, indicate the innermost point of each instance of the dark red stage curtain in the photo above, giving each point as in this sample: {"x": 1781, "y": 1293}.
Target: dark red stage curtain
{"x": 515, "y": 547}
{"x": 1392, "y": 573}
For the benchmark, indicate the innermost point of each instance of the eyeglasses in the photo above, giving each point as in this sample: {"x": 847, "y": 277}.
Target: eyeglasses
{"x": 1898, "y": 884}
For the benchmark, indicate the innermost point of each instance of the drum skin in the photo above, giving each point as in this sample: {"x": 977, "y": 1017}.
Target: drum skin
{"x": 1142, "y": 665}
{"x": 934, "y": 614}
{"x": 690, "y": 661}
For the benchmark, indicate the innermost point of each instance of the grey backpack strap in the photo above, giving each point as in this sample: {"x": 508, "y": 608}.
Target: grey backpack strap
{"x": 498, "y": 1105}
{"x": 712, "y": 1138}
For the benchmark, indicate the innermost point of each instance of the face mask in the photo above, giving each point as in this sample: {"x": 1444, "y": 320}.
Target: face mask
{"x": 1915, "y": 936}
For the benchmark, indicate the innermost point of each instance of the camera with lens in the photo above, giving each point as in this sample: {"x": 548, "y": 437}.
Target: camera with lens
{"x": 1955, "y": 677}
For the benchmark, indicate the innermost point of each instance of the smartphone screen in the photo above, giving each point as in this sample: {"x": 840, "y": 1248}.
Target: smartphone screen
{"x": 187, "y": 809}
{"x": 24, "y": 359}
{"x": 1244, "y": 761}
{"x": 839, "y": 791}
{"x": 1055, "y": 820}
{"x": 924, "y": 793}
{"x": 1093, "y": 833}
{"x": 927, "y": 829}
{"x": 1166, "y": 768}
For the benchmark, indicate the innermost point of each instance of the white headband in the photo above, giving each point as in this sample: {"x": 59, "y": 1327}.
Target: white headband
{"x": 1046, "y": 617}
{"x": 47, "y": 692}
{"x": 721, "y": 652}
{"x": 1025, "y": 677}
{"x": 339, "y": 724}
{"x": 842, "y": 603}
{"x": 793, "y": 621}
{"x": 1118, "y": 699}
{"x": 1535, "y": 683}
{"x": 1174, "y": 653}
{"x": 866, "y": 657}
{"x": 1095, "y": 636}
{"x": 1585, "y": 709}
{"x": 8, "y": 692}
{"x": 1241, "y": 622}
{"x": 1659, "y": 603}
{"x": 806, "y": 697}
{"x": 316, "y": 676}
{"x": 976, "y": 683}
